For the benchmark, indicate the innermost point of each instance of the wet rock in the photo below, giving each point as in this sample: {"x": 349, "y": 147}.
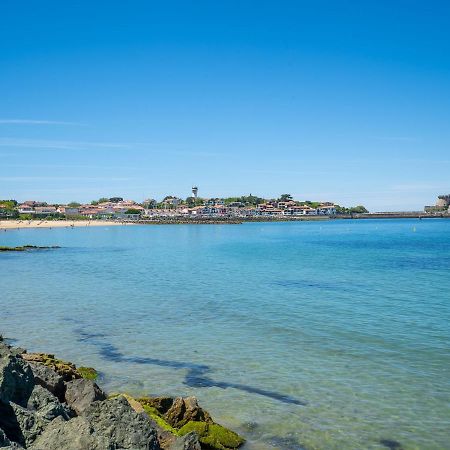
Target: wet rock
{"x": 47, "y": 405}
{"x": 188, "y": 442}
{"x": 16, "y": 377}
{"x": 80, "y": 393}
{"x": 213, "y": 435}
{"x": 48, "y": 379}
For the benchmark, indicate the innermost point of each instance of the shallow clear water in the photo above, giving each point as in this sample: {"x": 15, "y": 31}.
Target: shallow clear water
{"x": 325, "y": 335}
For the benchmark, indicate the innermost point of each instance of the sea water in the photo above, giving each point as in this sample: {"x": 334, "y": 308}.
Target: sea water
{"x": 305, "y": 335}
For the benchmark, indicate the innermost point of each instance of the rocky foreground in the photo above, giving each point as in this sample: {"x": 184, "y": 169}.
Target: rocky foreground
{"x": 50, "y": 404}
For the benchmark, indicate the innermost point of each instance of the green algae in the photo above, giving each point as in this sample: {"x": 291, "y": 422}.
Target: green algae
{"x": 66, "y": 369}
{"x": 88, "y": 373}
{"x": 213, "y": 435}
{"x": 154, "y": 415}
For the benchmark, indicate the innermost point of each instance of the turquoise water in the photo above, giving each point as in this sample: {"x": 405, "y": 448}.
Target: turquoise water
{"x": 330, "y": 335}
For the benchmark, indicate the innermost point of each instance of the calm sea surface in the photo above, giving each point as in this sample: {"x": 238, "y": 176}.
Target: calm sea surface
{"x": 330, "y": 335}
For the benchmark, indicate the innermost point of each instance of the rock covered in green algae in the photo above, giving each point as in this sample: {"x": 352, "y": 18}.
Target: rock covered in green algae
{"x": 177, "y": 411}
{"x": 181, "y": 416}
{"x": 213, "y": 435}
{"x": 67, "y": 370}
{"x": 88, "y": 373}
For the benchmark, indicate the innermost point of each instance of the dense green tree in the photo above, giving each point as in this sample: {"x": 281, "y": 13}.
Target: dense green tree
{"x": 74, "y": 204}
{"x": 285, "y": 197}
{"x": 360, "y": 209}
{"x": 8, "y": 204}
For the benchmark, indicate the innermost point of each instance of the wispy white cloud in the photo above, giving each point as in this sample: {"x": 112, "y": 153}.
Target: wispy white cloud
{"x": 36, "y": 122}
{"x": 25, "y": 178}
{"x": 62, "y": 145}
{"x": 50, "y": 144}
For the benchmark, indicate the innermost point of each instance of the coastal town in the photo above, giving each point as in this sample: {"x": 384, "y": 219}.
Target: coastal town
{"x": 193, "y": 207}
{"x": 196, "y": 208}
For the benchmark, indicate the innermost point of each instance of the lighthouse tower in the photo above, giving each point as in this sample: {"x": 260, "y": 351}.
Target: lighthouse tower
{"x": 194, "y": 191}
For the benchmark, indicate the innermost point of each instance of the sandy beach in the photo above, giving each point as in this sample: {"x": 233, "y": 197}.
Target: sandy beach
{"x": 17, "y": 224}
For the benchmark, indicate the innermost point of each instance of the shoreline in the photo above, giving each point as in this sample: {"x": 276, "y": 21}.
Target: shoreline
{"x": 67, "y": 223}
{"x": 24, "y": 224}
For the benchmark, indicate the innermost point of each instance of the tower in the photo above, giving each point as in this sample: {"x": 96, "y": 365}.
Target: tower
{"x": 194, "y": 191}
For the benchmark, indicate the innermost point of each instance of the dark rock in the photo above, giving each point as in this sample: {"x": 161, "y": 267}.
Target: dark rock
{"x": 80, "y": 393}
{"x": 5, "y": 348}
{"x": 4, "y": 441}
{"x": 124, "y": 427}
{"x": 19, "y": 424}
{"x": 6, "y": 444}
{"x": 109, "y": 424}
{"x": 47, "y": 405}
{"x": 48, "y": 379}
{"x": 187, "y": 442}
{"x": 16, "y": 377}
{"x": 76, "y": 434}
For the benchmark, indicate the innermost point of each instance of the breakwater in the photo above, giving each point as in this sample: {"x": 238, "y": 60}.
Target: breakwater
{"x": 47, "y": 403}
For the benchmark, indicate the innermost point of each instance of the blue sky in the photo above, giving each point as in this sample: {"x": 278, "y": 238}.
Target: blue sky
{"x": 347, "y": 101}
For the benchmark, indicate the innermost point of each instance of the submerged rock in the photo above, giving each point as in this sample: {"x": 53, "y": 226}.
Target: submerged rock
{"x": 26, "y": 247}
{"x": 80, "y": 393}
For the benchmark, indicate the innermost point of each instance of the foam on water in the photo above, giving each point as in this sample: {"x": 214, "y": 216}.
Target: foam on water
{"x": 304, "y": 335}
